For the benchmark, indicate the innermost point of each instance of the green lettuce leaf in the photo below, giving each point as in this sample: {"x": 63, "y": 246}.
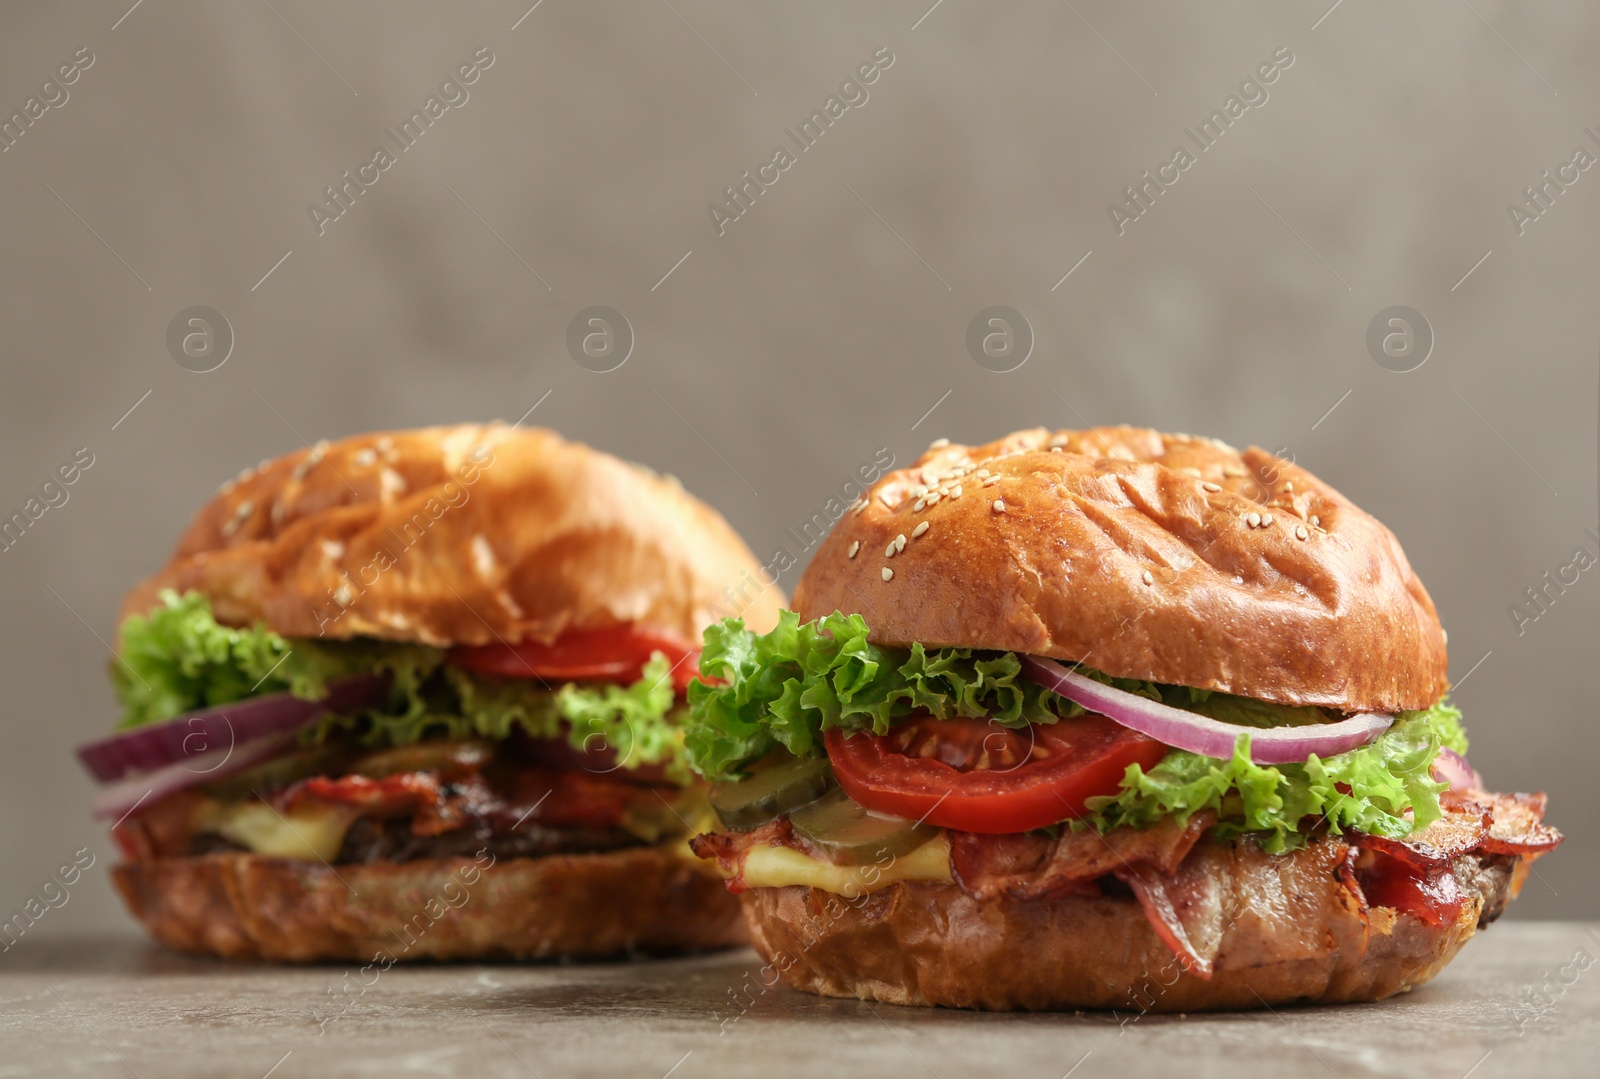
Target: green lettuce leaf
{"x": 178, "y": 659}
{"x": 786, "y": 687}
{"x": 1385, "y": 779}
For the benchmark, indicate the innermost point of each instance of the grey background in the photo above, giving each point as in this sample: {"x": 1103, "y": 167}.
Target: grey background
{"x": 830, "y": 318}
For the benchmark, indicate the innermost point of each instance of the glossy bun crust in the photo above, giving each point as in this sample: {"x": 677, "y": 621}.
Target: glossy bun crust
{"x": 1164, "y": 557}
{"x": 462, "y": 535}
{"x": 243, "y": 906}
{"x": 1304, "y": 939}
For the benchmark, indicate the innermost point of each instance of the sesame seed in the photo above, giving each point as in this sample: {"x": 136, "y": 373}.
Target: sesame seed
{"x": 1315, "y": 521}
{"x": 920, "y": 505}
{"x": 855, "y": 546}
{"x": 1195, "y": 472}
{"x": 1266, "y": 520}
{"x": 1056, "y": 449}
{"x": 900, "y": 542}
{"x": 1148, "y": 577}
{"x": 1209, "y": 486}
{"x": 999, "y": 506}
{"x": 1252, "y": 519}
{"x": 883, "y": 496}
{"x": 991, "y": 481}
{"x": 955, "y": 492}
{"x": 365, "y": 458}
{"x": 983, "y": 473}
{"x": 919, "y": 530}
{"x": 938, "y": 443}
{"x": 1238, "y": 580}
{"x": 933, "y": 498}
{"x": 919, "y": 490}
{"x": 888, "y": 552}
{"x": 888, "y": 574}
{"x": 1300, "y": 532}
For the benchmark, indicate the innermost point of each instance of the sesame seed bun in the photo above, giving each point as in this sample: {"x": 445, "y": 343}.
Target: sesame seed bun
{"x": 1145, "y": 555}
{"x": 448, "y": 536}
{"x": 460, "y": 536}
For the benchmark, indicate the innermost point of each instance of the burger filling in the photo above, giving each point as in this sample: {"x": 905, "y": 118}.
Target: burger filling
{"x": 846, "y": 765}
{"x": 521, "y": 750}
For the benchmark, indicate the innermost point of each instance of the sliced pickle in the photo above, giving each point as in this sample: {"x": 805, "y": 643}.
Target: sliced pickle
{"x": 771, "y": 790}
{"x": 852, "y": 834}
{"x": 424, "y": 757}
{"x": 280, "y": 772}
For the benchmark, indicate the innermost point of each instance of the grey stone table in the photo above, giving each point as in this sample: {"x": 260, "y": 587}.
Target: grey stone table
{"x": 1523, "y": 1000}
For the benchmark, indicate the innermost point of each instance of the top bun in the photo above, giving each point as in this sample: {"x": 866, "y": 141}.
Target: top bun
{"x": 1163, "y": 557}
{"x": 462, "y": 535}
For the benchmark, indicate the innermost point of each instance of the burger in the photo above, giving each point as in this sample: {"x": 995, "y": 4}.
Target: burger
{"x": 1102, "y": 719}
{"x": 417, "y": 694}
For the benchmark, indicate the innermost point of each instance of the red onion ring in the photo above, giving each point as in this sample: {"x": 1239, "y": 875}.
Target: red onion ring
{"x": 122, "y": 797}
{"x": 1202, "y": 734}
{"x": 188, "y": 736}
{"x": 1452, "y": 768}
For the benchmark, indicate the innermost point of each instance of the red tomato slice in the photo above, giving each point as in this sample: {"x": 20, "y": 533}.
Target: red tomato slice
{"x": 615, "y": 654}
{"x": 977, "y": 776}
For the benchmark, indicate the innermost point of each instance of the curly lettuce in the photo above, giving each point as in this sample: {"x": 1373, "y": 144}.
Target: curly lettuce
{"x": 1384, "y": 788}
{"x": 179, "y": 659}
{"x": 785, "y": 688}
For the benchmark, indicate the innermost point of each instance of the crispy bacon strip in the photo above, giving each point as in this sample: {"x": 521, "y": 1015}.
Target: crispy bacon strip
{"x": 1518, "y": 826}
{"x": 1185, "y": 908}
{"x": 1474, "y": 821}
{"x": 1032, "y": 866}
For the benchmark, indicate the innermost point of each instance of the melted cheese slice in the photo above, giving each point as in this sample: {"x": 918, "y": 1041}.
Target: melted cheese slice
{"x": 779, "y": 867}
{"x": 312, "y": 833}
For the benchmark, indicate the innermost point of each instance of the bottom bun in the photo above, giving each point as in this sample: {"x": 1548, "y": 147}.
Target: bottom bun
{"x": 924, "y": 943}
{"x": 245, "y": 906}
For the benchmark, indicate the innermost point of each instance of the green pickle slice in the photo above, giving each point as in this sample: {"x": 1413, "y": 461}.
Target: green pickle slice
{"x": 770, "y": 791}
{"x": 852, "y": 834}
